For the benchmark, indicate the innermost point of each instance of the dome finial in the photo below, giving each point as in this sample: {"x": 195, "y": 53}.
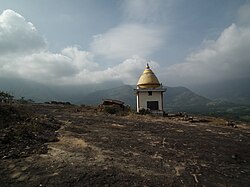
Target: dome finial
{"x": 147, "y": 67}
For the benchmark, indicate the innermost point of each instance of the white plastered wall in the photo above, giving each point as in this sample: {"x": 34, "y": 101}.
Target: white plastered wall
{"x": 143, "y": 97}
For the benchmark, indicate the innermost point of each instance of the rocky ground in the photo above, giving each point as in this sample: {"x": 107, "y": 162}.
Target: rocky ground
{"x": 65, "y": 145}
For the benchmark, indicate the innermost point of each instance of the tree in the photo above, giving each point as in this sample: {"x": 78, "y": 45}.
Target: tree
{"x": 5, "y": 97}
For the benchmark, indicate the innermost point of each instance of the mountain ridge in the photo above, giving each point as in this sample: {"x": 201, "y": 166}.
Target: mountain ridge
{"x": 235, "y": 91}
{"x": 174, "y": 96}
{"x": 176, "y": 99}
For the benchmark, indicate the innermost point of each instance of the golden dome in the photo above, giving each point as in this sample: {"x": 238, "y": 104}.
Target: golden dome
{"x": 148, "y": 79}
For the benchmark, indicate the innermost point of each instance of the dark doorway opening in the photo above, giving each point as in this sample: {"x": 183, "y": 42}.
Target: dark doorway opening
{"x": 153, "y": 105}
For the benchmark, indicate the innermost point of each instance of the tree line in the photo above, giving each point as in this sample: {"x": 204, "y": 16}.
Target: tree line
{"x": 6, "y": 97}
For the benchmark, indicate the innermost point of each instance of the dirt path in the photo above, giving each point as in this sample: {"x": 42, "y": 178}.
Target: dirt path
{"x": 96, "y": 149}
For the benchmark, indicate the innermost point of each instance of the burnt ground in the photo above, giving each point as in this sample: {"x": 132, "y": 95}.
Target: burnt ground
{"x": 79, "y": 146}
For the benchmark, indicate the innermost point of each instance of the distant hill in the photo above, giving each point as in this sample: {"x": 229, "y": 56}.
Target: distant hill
{"x": 234, "y": 91}
{"x": 28, "y": 89}
{"x": 124, "y": 93}
{"x": 40, "y": 92}
{"x": 174, "y": 98}
{"x": 183, "y": 99}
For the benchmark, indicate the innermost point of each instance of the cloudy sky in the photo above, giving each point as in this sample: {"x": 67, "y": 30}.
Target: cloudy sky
{"x": 93, "y": 41}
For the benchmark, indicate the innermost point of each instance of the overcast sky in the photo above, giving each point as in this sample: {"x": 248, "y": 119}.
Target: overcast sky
{"x": 92, "y": 41}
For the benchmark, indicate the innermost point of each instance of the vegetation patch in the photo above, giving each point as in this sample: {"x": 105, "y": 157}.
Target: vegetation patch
{"x": 23, "y": 133}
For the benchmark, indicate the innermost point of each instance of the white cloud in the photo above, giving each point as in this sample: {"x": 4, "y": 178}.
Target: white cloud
{"x": 128, "y": 72}
{"x": 41, "y": 67}
{"x": 144, "y": 10}
{"x": 226, "y": 58}
{"x": 24, "y": 55}
{"x": 51, "y": 68}
{"x": 128, "y": 40}
{"x": 244, "y": 14}
{"x": 18, "y": 36}
{"x": 80, "y": 59}
{"x": 140, "y": 10}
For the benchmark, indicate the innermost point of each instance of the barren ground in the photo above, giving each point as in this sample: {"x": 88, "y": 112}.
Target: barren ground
{"x": 98, "y": 149}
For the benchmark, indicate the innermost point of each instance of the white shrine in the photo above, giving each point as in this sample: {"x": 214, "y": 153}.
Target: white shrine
{"x": 149, "y": 93}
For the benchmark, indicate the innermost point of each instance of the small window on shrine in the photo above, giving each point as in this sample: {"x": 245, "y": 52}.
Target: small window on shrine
{"x": 149, "y": 92}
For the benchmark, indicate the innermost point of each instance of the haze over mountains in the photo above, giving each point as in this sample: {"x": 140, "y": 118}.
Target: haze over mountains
{"x": 41, "y": 93}
{"x": 230, "y": 91}
{"x": 176, "y": 98}
{"x": 236, "y": 91}
{"x": 231, "y": 100}
{"x": 173, "y": 98}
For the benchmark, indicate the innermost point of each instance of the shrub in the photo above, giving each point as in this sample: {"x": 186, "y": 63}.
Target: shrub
{"x": 144, "y": 111}
{"x": 111, "y": 110}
